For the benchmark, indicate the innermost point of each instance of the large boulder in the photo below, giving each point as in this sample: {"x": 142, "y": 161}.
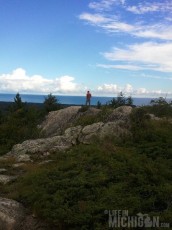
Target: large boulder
{"x": 121, "y": 113}
{"x": 57, "y": 121}
{"x": 116, "y": 129}
{"x": 125, "y": 109}
{"x": 101, "y": 130}
{"x": 21, "y": 152}
{"x": 11, "y": 214}
{"x": 72, "y": 134}
{"x": 89, "y": 132}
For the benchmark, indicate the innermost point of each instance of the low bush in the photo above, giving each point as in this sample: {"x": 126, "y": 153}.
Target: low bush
{"x": 75, "y": 190}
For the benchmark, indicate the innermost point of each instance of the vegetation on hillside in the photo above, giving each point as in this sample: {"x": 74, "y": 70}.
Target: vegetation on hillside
{"x": 160, "y": 107}
{"x": 74, "y": 190}
{"x": 121, "y": 100}
{"x": 19, "y": 122}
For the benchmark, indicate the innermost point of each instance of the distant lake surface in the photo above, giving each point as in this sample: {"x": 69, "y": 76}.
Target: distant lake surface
{"x": 70, "y": 100}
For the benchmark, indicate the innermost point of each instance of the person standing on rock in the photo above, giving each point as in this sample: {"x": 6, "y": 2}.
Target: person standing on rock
{"x": 88, "y": 98}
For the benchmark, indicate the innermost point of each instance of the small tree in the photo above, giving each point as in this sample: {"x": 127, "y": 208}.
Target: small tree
{"x": 121, "y": 100}
{"x": 99, "y": 104}
{"x": 129, "y": 101}
{"x": 159, "y": 101}
{"x": 18, "y": 104}
{"x": 1, "y": 116}
{"x": 51, "y": 103}
{"x": 161, "y": 107}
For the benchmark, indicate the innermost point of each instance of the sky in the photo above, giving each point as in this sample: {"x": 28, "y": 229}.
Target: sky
{"x": 66, "y": 47}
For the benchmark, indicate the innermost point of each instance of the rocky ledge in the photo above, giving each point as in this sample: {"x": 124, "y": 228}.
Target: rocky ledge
{"x": 116, "y": 127}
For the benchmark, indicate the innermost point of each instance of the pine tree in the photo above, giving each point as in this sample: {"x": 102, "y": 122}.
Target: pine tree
{"x": 51, "y": 103}
{"x": 18, "y": 104}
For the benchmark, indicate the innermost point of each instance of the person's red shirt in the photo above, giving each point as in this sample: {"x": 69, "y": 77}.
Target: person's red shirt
{"x": 88, "y": 95}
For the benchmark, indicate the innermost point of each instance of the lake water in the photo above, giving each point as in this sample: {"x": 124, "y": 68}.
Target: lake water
{"x": 71, "y": 100}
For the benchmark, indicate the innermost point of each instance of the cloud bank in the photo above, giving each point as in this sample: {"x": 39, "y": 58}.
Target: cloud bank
{"x": 19, "y": 81}
{"x": 111, "y": 89}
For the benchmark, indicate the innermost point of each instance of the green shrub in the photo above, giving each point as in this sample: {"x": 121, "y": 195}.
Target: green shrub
{"x": 19, "y": 125}
{"x": 74, "y": 191}
{"x": 88, "y": 119}
{"x": 51, "y": 103}
{"x": 83, "y": 108}
{"x": 160, "y": 107}
{"x": 99, "y": 105}
{"x": 151, "y": 137}
{"x": 120, "y": 101}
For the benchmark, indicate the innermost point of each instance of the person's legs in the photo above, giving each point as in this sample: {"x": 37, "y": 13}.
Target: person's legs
{"x": 87, "y": 102}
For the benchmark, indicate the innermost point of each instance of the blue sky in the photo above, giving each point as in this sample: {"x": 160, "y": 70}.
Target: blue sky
{"x": 69, "y": 46}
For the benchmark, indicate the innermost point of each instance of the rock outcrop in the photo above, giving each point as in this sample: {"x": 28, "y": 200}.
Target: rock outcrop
{"x": 74, "y": 135}
{"x": 11, "y": 214}
{"x": 4, "y": 179}
{"x": 22, "y": 151}
{"x": 57, "y": 121}
{"x": 120, "y": 114}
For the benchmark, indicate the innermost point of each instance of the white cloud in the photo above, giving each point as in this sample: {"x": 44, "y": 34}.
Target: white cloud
{"x": 156, "y": 77}
{"x": 168, "y": 19}
{"x": 124, "y": 67}
{"x": 143, "y": 9}
{"x": 158, "y": 27}
{"x": 19, "y": 81}
{"x": 153, "y": 56}
{"x": 66, "y": 84}
{"x": 128, "y": 89}
{"x": 143, "y": 92}
{"x": 108, "y": 89}
{"x": 148, "y": 7}
{"x": 112, "y": 24}
{"x": 96, "y": 19}
{"x": 108, "y": 23}
{"x": 112, "y": 89}
{"x": 117, "y": 26}
{"x": 136, "y": 8}
{"x": 160, "y": 31}
{"x": 102, "y": 5}
{"x": 105, "y": 5}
